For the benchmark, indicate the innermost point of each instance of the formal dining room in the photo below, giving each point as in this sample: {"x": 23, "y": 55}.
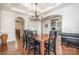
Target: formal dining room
{"x": 39, "y": 29}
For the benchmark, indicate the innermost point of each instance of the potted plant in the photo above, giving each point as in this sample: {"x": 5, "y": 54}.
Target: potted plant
{"x": 4, "y": 38}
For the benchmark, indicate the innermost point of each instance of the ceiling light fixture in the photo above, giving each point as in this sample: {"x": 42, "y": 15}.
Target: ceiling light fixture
{"x": 36, "y": 17}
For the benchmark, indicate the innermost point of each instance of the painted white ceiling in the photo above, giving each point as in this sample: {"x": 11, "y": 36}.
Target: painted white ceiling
{"x": 29, "y": 8}
{"x": 40, "y": 6}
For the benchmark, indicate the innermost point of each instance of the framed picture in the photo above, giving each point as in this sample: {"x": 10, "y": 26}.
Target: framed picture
{"x": 46, "y": 25}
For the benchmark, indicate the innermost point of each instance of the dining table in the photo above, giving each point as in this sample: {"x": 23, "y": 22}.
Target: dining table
{"x": 43, "y": 38}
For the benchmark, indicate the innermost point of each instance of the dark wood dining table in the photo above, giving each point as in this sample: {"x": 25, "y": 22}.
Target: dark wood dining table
{"x": 44, "y": 38}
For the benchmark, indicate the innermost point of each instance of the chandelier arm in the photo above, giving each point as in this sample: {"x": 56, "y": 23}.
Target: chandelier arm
{"x": 35, "y": 17}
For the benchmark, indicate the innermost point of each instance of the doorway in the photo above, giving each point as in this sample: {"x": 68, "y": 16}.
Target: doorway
{"x": 19, "y": 27}
{"x": 56, "y": 22}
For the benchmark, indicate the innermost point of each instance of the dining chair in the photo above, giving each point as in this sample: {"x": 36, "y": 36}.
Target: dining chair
{"x": 50, "y": 47}
{"x": 25, "y": 38}
{"x": 30, "y": 42}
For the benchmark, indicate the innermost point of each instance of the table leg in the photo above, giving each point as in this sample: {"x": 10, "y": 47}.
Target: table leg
{"x": 58, "y": 46}
{"x": 42, "y": 48}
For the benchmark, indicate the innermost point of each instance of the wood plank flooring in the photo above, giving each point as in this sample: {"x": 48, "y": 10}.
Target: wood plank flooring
{"x": 16, "y": 48}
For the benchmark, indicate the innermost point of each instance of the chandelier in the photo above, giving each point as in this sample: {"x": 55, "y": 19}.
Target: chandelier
{"x": 36, "y": 17}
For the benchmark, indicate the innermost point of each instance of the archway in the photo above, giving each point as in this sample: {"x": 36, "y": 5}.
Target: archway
{"x": 19, "y": 27}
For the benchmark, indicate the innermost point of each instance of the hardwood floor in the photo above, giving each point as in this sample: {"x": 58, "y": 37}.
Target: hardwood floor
{"x": 16, "y": 48}
{"x": 12, "y": 48}
{"x": 69, "y": 50}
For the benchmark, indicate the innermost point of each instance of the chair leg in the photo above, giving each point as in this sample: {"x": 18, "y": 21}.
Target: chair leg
{"x": 48, "y": 50}
{"x": 28, "y": 48}
{"x": 28, "y": 51}
{"x": 55, "y": 53}
{"x": 34, "y": 49}
{"x": 26, "y": 44}
{"x": 55, "y": 49}
{"x": 39, "y": 49}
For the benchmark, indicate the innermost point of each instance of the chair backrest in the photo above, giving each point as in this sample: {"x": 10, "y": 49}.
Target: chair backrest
{"x": 28, "y": 34}
{"x": 53, "y": 33}
{"x": 25, "y": 34}
{"x": 52, "y": 41}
